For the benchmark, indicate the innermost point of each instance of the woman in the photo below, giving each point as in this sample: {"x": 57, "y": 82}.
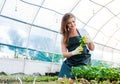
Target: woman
{"x": 70, "y": 47}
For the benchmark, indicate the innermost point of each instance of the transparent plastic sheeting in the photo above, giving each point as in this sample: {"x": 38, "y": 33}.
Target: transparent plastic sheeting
{"x": 24, "y": 35}
{"x": 35, "y": 24}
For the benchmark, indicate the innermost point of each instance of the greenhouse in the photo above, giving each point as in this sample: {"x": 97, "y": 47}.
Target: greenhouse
{"x": 31, "y": 40}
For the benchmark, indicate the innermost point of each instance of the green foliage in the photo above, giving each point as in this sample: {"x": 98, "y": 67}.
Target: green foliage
{"x": 40, "y": 78}
{"x": 83, "y": 41}
{"x": 82, "y": 44}
{"x": 99, "y": 73}
{"x": 30, "y": 78}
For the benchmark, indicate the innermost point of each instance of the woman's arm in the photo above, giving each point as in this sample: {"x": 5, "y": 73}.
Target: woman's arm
{"x": 65, "y": 52}
{"x": 91, "y": 46}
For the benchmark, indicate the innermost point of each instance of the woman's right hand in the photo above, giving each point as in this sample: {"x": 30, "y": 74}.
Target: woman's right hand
{"x": 78, "y": 50}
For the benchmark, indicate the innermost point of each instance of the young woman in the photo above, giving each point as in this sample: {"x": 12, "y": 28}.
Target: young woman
{"x": 70, "y": 47}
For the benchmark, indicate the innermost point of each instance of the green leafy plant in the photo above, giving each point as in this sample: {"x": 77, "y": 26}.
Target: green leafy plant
{"x": 82, "y": 44}
{"x": 83, "y": 41}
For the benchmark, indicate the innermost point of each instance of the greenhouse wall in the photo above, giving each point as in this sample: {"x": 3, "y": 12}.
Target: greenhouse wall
{"x": 13, "y": 66}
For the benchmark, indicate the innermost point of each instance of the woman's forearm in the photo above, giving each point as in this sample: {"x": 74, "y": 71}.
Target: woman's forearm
{"x": 67, "y": 54}
{"x": 91, "y": 46}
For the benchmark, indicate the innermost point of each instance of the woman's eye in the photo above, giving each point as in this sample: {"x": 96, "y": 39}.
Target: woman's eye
{"x": 68, "y": 23}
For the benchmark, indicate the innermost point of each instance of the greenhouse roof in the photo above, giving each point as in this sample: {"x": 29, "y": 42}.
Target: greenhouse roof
{"x": 101, "y": 18}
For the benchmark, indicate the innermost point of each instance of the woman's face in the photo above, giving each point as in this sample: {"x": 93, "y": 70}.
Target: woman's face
{"x": 71, "y": 23}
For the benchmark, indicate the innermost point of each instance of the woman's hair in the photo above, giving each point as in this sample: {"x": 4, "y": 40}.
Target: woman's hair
{"x": 64, "y": 26}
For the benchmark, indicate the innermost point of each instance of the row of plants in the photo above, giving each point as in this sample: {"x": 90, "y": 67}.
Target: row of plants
{"x": 30, "y": 78}
{"x": 97, "y": 73}
{"x": 39, "y": 78}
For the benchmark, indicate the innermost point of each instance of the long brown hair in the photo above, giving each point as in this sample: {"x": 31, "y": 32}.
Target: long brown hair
{"x": 64, "y": 27}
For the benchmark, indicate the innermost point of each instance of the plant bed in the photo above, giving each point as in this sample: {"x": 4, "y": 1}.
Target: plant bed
{"x": 9, "y": 80}
{"x": 50, "y": 82}
{"x": 27, "y": 79}
{"x": 98, "y": 74}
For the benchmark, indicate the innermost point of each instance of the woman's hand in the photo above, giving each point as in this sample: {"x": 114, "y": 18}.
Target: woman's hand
{"x": 88, "y": 39}
{"x": 78, "y": 50}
